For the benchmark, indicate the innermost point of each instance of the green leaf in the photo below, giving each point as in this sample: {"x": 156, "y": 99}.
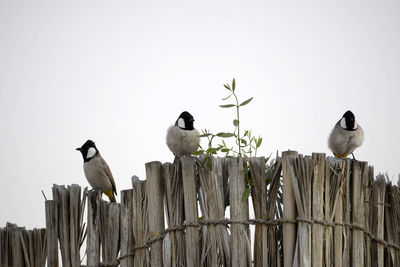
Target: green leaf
{"x": 259, "y": 141}
{"x": 226, "y": 135}
{"x": 246, "y": 193}
{"x": 205, "y": 135}
{"x": 246, "y": 102}
{"x": 198, "y": 152}
{"x": 243, "y": 141}
{"x": 223, "y": 142}
{"x": 225, "y": 150}
{"x": 226, "y": 97}
{"x": 227, "y": 87}
{"x": 233, "y": 84}
{"x": 227, "y": 106}
{"x": 212, "y": 150}
{"x": 235, "y": 123}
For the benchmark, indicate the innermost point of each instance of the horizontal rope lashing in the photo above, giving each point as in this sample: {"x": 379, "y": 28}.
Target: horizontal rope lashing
{"x": 275, "y": 222}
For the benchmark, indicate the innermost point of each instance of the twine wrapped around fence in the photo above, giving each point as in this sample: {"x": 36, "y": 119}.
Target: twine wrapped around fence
{"x": 226, "y": 222}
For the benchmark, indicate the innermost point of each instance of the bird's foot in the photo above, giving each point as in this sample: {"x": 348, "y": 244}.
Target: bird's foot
{"x": 91, "y": 191}
{"x": 342, "y": 156}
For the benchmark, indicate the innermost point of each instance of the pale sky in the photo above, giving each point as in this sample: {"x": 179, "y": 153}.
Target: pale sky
{"x": 120, "y": 73}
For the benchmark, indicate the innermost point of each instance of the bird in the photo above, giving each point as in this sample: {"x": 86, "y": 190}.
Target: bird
{"x": 97, "y": 171}
{"x": 182, "y": 138}
{"x": 346, "y": 136}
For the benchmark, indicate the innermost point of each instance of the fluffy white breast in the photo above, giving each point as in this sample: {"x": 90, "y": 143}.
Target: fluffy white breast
{"x": 182, "y": 142}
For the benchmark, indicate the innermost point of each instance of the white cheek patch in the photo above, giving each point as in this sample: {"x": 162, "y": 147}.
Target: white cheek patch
{"x": 181, "y": 123}
{"x": 343, "y": 123}
{"x": 355, "y": 126}
{"x": 91, "y": 152}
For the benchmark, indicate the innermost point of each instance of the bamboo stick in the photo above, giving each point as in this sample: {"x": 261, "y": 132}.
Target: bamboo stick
{"x": 259, "y": 197}
{"x": 38, "y": 247}
{"x": 301, "y": 182}
{"x": 93, "y": 229}
{"x": 109, "y": 234}
{"x": 289, "y": 209}
{"x": 30, "y": 250}
{"x": 24, "y": 242}
{"x": 340, "y": 174}
{"x": 140, "y": 223}
{"x": 17, "y": 252}
{"x": 3, "y": 247}
{"x": 61, "y": 195}
{"x": 33, "y": 243}
{"x": 155, "y": 194}
{"x": 215, "y": 249}
{"x": 367, "y": 194}
{"x": 240, "y": 234}
{"x": 359, "y": 173}
{"x": 52, "y": 232}
{"x": 71, "y": 209}
{"x": 392, "y": 218}
{"x": 380, "y": 216}
{"x": 127, "y": 241}
{"x": 191, "y": 212}
{"x": 274, "y": 211}
{"x": 347, "y": 239}
{"x": 308, "y": 172}
{"x": 175, "y": 213}
{"x": 318, "y": 208}
{"x": 30, "y": 239}
{"x": 75, "y": 214}
{"x": 328, "y": 184}
{"x": 265, "y": 203}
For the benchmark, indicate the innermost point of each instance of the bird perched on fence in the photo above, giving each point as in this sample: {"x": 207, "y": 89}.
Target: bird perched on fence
{"x": 346, "y": 136}
{"x": 97, "y": 171}
{"x": 182, "y": 138}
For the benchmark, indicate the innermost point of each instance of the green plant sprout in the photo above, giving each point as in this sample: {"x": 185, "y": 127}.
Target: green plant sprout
{"x": 245, "y": 144}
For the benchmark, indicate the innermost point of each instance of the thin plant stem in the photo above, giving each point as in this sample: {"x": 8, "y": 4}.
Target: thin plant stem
{"x": 238, "y": 126}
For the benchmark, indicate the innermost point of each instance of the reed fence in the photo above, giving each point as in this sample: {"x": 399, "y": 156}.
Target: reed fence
{"x": 307, "y": 211}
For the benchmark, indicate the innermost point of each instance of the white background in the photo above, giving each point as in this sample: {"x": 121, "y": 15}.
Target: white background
{"x": 120, "y": 72}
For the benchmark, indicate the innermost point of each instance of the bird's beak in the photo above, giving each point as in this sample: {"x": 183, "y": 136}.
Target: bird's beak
{"x": 79, "y": 149}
